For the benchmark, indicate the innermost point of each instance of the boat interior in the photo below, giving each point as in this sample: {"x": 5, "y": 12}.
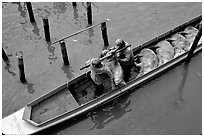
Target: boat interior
{"x": 83, "y": 89}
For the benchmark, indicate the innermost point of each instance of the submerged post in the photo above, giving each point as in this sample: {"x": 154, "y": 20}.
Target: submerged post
{"x": 89, "y": 12}
{"x": 74, "y": 4}
{"x": 21, "y": 67}
{"x": 46, "y": 29}
{"x": 30, "y": 11}
{"x": 64, "y": 53}
{"x": 104, "y": 33}
{"x": 4, "y": 56}
{"x": 195, "y": 43}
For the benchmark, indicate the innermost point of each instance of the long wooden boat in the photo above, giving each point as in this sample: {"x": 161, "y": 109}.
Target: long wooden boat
{"x": 78, "y": 95}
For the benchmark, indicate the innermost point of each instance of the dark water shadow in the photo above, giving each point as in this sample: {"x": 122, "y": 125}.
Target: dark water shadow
{"x": 111, "y": 111}
{"x": 68, "y": 71}
{"x": 185, "y": 67}
{"x": 51, "y": 49}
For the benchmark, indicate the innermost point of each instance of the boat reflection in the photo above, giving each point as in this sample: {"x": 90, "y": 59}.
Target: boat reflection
{"x": 112, "y": 111}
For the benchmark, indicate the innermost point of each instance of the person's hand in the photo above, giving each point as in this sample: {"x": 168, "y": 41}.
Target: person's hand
{"x": 113, "y": 87}
{"x": 104, "y": 52}
{"x": 112, "y": 52}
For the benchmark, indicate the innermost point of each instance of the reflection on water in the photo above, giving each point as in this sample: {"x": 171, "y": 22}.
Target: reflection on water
{"x": 96, "y": 7}
{"x": 90, "y": 34}
{"x": 112, "y": 111}
{"x": 68, "y": 71}
{"x": 44, "y": 12}
{"x": 90, "y": 31}
{"x": 35, "y": 28}
{"x": 7, "y": 67}
{"x": 51, "y": 49}
{"x": 184, "y": 76}
{"x": 61, "y": 7}
{"x": 182, "y": 84}
{"x": 21, "y": 9}
{"x": 30, "y": 88}
{"x": 75, "y": 12}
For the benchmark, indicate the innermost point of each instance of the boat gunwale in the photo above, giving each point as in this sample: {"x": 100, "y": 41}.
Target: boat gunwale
{"x": 115, "y": 93}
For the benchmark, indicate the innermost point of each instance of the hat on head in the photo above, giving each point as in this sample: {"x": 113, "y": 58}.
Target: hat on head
{"x": 120, "y": 43}
{"x": 96, "y": 62}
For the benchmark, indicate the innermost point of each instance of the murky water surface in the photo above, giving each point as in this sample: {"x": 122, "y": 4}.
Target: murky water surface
{"x": 171, "y": 104}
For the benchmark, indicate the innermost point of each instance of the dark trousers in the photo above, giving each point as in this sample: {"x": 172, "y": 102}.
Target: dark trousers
{"x": 126, "y": 66}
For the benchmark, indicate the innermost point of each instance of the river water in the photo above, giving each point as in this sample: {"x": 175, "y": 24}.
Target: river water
{"x": 170, "y": 104}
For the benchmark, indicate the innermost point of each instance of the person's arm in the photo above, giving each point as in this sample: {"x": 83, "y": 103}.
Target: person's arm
{"x": 126, "y": 56}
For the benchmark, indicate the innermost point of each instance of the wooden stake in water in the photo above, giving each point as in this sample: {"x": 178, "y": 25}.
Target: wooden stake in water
{"x": 89, "y": 12}
{"x": 30, "y": 12}
{"x": 21, "y": 67}
{"x": 74, "y": 4}
{"x": 4, "y": 56}
{"x": 46, "y": 29}
{"x": 194, "y": 45}
{"x": 64, "y": 53}
{"x": 104, "y": 33}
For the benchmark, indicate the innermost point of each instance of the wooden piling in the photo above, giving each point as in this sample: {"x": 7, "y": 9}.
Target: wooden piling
{"x": 46, "y": 29}
{"x": 64, "y": 53}
{"x": 194, "y": 45}
{"x": 30, "y": 11}
{"x": 4, "y": 56}
{"x": 104, "y": 33}
{"x": 74, "y": 4}
{"x": 21, "y": 67}
{"x": 89, "y": 12}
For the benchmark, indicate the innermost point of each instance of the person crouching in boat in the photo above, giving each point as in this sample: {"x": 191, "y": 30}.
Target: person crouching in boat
{"x": 113, "y": 64}
{"x": 98, "y": 69}
{"x": 125, "y": 58}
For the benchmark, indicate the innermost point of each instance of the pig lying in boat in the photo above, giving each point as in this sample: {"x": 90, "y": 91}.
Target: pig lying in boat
{"x": 165, "y": 52}
{"x": 190, "y": 34}
{"x": 149, "y": 61}
{"x": 180, "y": 44}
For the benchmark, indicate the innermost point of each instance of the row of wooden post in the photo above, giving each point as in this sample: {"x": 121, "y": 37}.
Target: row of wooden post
{"x": 47, "y": 38}
{"x": 63, "y": 45}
